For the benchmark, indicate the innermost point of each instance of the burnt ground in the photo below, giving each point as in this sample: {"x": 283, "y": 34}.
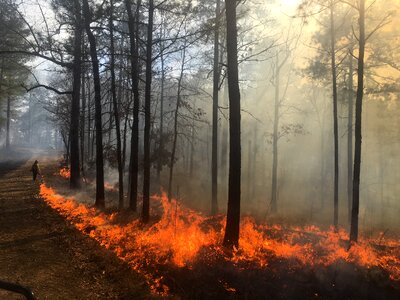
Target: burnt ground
{"x": 39, "y": 249}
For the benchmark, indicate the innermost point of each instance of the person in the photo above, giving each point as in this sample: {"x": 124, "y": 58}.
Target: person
{"x": 35, "y": 169}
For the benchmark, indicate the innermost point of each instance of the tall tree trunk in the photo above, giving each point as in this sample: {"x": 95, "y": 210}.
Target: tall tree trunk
{"x": 89, "y": 127}
{"x": 192, "y": 150}
{"x": 254, "y": 165}
{"x": 75, "y": 107}
{"x": 147, "y": 117}
{"x": 249, "y": 171}
{"x": 8, "y": 123}
{"x": 161, "y": 131}
{"x": 350, "y": 136}
{"x": 116, "y": 110}
{"x": 134, "y": 58}
{"x": 82, "y": 122}
{"x": 231, "y": 238}
{"x": 335, "y": 121}
{"x": 275, "y": 138}
{"x": 224, "y": 146}
{"x": 357, "y": 129}
{"x": 214, "y": 151}
{"x": 100, "y": 202}
{"x": 176, "y": 114}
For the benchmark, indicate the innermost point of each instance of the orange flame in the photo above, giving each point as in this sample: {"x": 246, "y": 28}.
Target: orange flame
{"x": 65, "y": 173}
{"x": 181, "y": 233}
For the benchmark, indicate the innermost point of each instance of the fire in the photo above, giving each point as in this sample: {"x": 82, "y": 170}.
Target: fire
{"x": 65, "y": 173}
{"x": 180, "y": 233}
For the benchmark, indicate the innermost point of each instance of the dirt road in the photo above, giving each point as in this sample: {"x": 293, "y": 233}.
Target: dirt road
{"x": 40, "y": 250}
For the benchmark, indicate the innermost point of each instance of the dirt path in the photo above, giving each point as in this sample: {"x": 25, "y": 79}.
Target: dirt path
{"x": 40, "y": 250}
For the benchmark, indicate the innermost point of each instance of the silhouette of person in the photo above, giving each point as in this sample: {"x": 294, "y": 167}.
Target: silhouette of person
{"x": 35, "y": 169}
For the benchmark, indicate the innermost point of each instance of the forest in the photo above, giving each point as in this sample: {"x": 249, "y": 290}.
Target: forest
{"x": 235, "y": 149}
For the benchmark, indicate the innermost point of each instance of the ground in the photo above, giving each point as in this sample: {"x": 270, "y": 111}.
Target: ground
{"x": 41, "y": 250}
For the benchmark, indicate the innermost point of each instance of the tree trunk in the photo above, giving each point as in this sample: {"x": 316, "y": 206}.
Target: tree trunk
{"x": 147, "y": 117}
{"x": 74, "y": 181}
{"x": 357, "y": 129}
{"x": 192, "y": 150}
{"x": 161, "y": 131}
{"x": 249, "y": 171}
{"x": 335, "y": 121}
{"x": 214, "y": 151}
{"x": 82, "y": 123}
{"x": 89, "y": 127}
{"x": 350, "y": 136}
{"x": 176, "y": 114}
{"x": 116, "y": 110}
{"x": 231, "y": 238}
{"x": 275, "y": 138}
{"x": 100, "y": 202}
{"x": 8, "y": 123}
{"x": 134, "y": 57}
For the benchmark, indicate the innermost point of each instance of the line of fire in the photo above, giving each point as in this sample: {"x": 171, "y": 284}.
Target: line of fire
{"x": 207, "y": 149}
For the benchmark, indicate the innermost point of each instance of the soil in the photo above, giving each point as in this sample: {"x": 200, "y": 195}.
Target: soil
{"x": 40, "y": 250}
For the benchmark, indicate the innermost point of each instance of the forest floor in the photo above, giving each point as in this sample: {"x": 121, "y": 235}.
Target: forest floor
{"x": 40, "y": 249}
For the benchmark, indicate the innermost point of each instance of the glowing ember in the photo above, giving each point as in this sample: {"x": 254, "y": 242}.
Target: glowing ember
{"x": 181, "y": 233}
{"x": 65, "y": 173}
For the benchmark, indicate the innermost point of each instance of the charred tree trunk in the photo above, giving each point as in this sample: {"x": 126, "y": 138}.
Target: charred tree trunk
{"x": 275, "y": 138}
{"x": 224, "y": 147}
{"x": 161, "y": 131}
{"x": 335, "y": 121}
{"x": 176, "y": 115}
{"x": 214, "y": 151}
{"x": 231, "y": 238}
{"x": 82, "y": 123}
{"x": 89, "y": 126}
{"x": 192, "y": 150}
{"x": 116, "y": 110}
{"x": 8, "y": 123}
{"x": 357, "y": 129}
{"x": 350, "y": 137}
{"x": 147, "y": 117}
{"x": 74, "y": 181}
{"x": 134, "y": 57}
{"x": 100, "y": 201}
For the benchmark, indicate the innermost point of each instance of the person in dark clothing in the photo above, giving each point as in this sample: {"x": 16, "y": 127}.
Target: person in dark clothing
{"x": 35, "y": 169}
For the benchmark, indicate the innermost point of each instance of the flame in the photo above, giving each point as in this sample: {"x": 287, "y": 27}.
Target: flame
{"x": 65, "y": 173}
{"x": 180, "y": 233}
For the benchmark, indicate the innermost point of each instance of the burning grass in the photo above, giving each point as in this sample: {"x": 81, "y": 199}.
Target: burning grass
{"x": 181, "y": 235}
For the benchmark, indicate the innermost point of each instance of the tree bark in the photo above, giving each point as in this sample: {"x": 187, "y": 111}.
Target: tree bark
{"x": 147, "y": 117}
{"x": 116, "y": 110}
{"x": 134, "y": 57}
{"x": 100, "y": 201}
{"x": 8, "y": 123}
{"x": 176, "y": 114}
{"x": 214, "y": 151}
{"x": 357, "y": 129}
{"x": 82, "y": 122}
{"x": 75, "y": 106}
{"x": 350, "y": 137}
{"x": 161, "y": 131}
{"x": 275, "y": 138}
{"x": 335, "y": 121}
{"x": 231, "y": 238}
